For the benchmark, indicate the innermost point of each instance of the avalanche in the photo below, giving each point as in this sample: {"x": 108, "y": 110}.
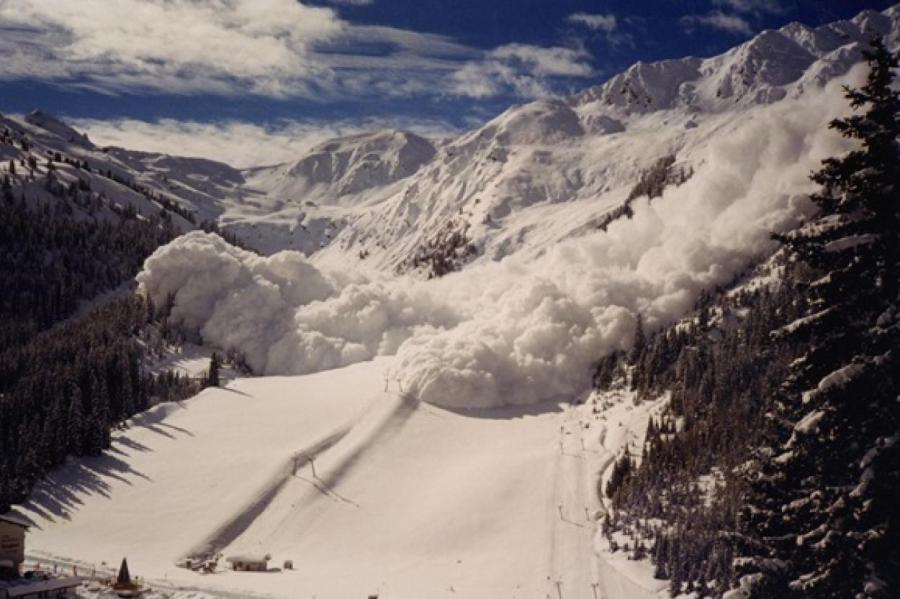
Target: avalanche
{"x": 523, "y": 329}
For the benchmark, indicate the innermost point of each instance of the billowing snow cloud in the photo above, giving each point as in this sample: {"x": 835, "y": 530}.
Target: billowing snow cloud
{"x": 541, "y": 326}
{"x": 283, "y": 313}
{"x": 518, "y": 331}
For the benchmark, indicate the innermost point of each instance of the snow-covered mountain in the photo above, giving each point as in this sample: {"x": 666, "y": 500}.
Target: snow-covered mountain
{"x": 191, "y": 190}
{"x": 538, "y": 173}
{"x": 728, "y": 141}
{"x": 550, "y": 169}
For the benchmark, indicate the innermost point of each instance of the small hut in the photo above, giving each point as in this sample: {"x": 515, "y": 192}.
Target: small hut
{"x": 249, "y": 563}
{"x": 12, "y": 543}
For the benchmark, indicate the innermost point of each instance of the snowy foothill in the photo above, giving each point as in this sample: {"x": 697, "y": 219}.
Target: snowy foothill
{"x": 524, "y": 329}
{"x": 366, "y": 491}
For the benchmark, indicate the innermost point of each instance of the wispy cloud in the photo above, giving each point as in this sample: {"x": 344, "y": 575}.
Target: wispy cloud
{"x": 733, "y": 24}
{"x": 756, "y": 7}
{"x": 737, "y": 16}
{"x": 240, "y": 143}
{"x": 272, "y": 48}
{"x": 606, "y": 23}
{"x": 523, "y": 70}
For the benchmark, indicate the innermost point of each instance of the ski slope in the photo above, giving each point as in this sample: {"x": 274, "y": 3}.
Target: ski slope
{"x": 402, "y": 499}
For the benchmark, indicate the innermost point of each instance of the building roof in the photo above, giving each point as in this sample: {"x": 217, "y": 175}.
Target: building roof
{"x": 16, "y": 518}
{"x": 22, "y": 586}
{"x": 248, "y": 558}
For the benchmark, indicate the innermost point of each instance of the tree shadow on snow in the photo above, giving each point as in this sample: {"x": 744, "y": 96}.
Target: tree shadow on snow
{"x": 236, "y": 391}
{"x": 62, "y": 493}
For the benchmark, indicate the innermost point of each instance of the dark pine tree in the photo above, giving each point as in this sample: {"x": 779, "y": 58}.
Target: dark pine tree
{"x": 639, "y": 339}
{"x": 215, "y": 364}
{"x": 821, "y": 518}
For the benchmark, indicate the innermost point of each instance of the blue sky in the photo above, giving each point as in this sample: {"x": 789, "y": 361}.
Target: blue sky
{"x": 171, "y": 75}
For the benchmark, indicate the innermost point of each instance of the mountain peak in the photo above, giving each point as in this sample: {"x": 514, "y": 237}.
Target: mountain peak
{"x": 57, "y": 127}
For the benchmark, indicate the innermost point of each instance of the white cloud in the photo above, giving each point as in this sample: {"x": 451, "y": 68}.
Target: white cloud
{"x": 755, "y": 7}
{"x": 735, "y": 19}
{"x": 274, "y": 48}
{"x": 607, "y": 23}
{"x": 524, "y": 70}
{"x": 239, "y": 143}
{"x": 262, "y": 45}
{"x": 718, "y": 20}
{"x": 278, "y": 48}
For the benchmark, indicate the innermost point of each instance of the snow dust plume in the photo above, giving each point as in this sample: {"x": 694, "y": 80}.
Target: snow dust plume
{"x": 283, "y": 313}
{"x": 542, "y": 324}
{"x": 517, "y": 331}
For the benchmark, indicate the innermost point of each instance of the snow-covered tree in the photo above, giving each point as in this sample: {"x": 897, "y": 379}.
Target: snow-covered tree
{"x": 821, "y": 518}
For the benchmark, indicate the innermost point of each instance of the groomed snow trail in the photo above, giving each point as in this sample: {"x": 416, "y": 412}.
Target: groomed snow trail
{"x": 368, "y": 492}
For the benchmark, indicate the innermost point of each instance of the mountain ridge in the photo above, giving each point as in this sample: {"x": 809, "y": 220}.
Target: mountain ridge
{"x": 537, "y": 173}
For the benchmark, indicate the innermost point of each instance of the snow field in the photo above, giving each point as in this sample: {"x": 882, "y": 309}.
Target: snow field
{"x": 183, "y": 471}
{"x": 402, "y": 499}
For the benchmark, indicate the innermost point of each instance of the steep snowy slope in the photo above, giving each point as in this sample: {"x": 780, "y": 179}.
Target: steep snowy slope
{"x": 347, "y": 166}
{"x": 302, "y": 205}
{"x": 764, "y": 69}
{"x": 191, "y": 190}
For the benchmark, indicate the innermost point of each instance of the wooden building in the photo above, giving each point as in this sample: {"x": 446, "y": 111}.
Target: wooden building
{"x": 12, "y": 543}
{"x": 39, "y": 588}
{"x": 249, "y": 563}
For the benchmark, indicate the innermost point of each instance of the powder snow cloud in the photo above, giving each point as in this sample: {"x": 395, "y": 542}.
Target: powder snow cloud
{"x": 521, "y": 330}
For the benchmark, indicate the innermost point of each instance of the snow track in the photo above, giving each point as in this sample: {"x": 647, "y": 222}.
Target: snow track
{"x": 245, "y": 516}
{"x": 573, "y": 568}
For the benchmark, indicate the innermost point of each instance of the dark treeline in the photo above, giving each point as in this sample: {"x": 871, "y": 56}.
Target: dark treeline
{"x": 652, "y": 183}
{"x": 52, "y": 258}
{"x": 62, "y": 392}
{"x": 66, "y": 380}
{"x": 447, "y": 251}
{"x": 719, "y": 368}
{"x": 774, "y": 470}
